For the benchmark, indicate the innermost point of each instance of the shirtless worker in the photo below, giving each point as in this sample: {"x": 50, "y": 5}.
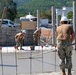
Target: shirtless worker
{"x": 19, "y": 37}
{"x": 65, "y": 37}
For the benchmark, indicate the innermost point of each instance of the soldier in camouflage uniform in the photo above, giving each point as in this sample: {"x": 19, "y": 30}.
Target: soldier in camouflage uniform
{"x": 65, "y": 36}
{"x": 36, "y": 36}
{"x": 19, "y": 38}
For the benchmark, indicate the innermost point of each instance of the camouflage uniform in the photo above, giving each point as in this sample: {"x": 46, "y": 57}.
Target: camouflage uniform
{"x": 20, "y": 42}
{"x": 19, "y": 38}
{"x": 65, "y": 53}
{"x": 36, "y": 36}
{"x": 65, "y": 37}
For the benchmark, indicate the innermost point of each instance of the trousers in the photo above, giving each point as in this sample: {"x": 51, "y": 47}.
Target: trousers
{"x": 65, "y": 53}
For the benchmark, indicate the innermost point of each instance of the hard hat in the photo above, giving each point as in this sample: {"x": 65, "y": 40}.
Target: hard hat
{"x": 64, "y": 18}
{"x": 23, "y": 31}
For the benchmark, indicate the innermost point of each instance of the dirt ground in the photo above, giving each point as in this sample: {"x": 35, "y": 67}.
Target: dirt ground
{"x": 46, "y": 32}
{"x": 46, "y": 35}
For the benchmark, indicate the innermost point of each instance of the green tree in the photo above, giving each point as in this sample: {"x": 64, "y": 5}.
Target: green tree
{"x": 2, "y": 5}
{"x": 43, "y": 14}
{"x": 70, "y": 15}
{"x": 49, "y": 14}
{"x": 11, "y": 9}
{"x": 46, "y": 14}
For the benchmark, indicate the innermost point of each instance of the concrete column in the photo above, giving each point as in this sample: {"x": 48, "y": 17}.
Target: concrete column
{"x": 74, "y": 19}
{"x": 53, "y": 26}
{"x": 38, "y": 19}
{"x": 64, "y": 11}
{"x": 58, "y": 12}
{"x": 57, "y": 20}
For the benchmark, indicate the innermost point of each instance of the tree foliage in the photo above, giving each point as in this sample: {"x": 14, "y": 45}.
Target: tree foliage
{"x": 31, "y": 6}
{"x": 46, "y": 14}
{"x": 11, "y": 9}
{"x": 70, "y": 15}
{"x": 44, "y": 5}
{"x": 2, "y": 5}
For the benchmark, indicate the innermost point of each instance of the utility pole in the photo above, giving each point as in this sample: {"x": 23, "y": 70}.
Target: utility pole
{"x": 74, "y": 19}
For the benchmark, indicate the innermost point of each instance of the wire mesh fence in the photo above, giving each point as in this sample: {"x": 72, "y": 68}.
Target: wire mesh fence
{"x": 41, "y": 60}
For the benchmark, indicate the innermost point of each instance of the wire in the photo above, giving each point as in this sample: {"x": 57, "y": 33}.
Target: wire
{"x": 47, "y": 63}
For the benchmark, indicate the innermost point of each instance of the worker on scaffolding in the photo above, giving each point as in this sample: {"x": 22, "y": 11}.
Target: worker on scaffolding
{"x": 19, "y": 38}
{"x": 36, "y": 36}
{"x": 65, "y": 37}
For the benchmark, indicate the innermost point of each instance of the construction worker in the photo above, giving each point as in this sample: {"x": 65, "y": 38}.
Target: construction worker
{"x": 19, "y": 38}
{"x": 65, "y": 37}
{"x": 36, "y": 36}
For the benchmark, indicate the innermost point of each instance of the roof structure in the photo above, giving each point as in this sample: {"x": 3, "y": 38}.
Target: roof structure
{"x": 29, "y": 16}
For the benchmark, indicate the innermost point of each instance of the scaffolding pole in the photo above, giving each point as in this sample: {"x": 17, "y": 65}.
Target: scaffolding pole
{"x": 53, "y": 25}
{"x": 42, "y": 59}
{"x": 30, "y": 59}
{"x": 1, "y": 60}
{"x": 55, "y": 59}
{"x": 16, "y": 60}
{"x": 74, "y": 19}
{"x": 38, "y": 19}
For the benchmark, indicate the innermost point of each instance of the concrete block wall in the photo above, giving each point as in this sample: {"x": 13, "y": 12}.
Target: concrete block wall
{"x": 7, "y": 36}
